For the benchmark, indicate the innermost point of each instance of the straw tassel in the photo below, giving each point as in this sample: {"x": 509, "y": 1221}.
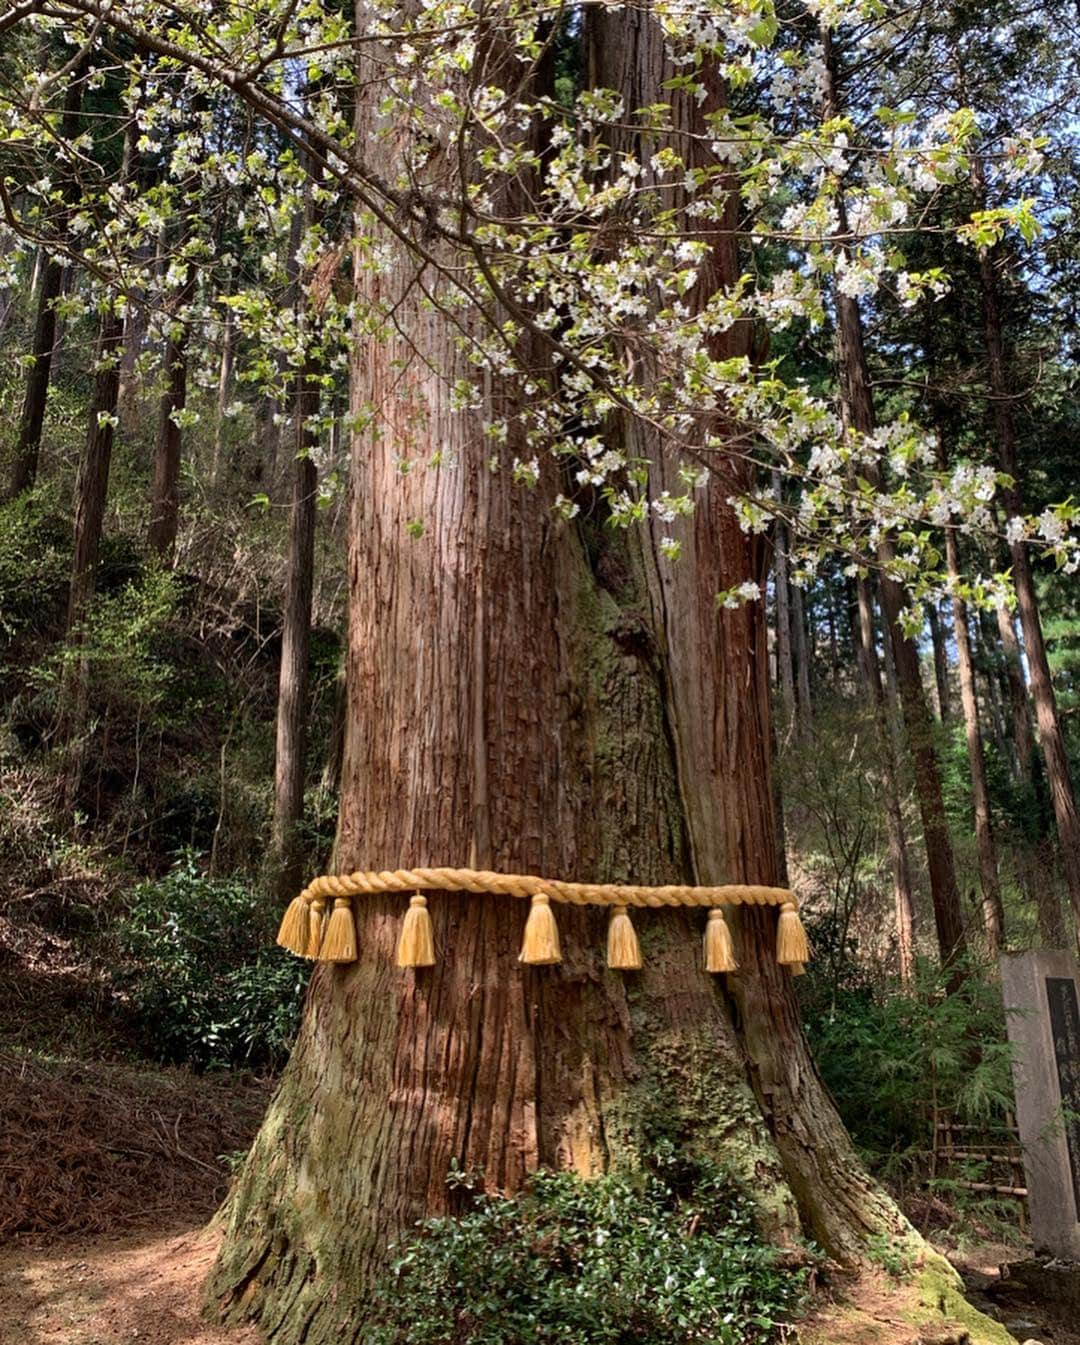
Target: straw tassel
{"x": 416, "y": 946}
{"x": 791, "y": 945}
{"x": 339, "y": 940}
{"x": 540, "y": 946}
{"x": 293, "y": 932}
{"x": 315, "y": 928}
{"x": 719, "y": 948}
{"x": 623, "y": 952}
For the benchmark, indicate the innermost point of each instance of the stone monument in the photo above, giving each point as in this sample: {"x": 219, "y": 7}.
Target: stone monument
{"x": 1042, "y": 1000}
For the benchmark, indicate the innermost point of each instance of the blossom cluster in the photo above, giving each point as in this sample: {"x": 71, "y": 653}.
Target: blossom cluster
{"x": 607, "y": 256}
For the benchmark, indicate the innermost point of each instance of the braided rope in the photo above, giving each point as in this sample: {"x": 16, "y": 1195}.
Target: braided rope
{"x": 528, "y": 885}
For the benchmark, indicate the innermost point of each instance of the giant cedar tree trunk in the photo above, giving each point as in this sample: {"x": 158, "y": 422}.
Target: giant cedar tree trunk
{"x": 529, "y": 695}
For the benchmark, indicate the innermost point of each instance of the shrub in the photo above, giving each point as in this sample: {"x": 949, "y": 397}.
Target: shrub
{"x": 659, "y": 1257}
{"x": 35, "y": 562}
{"x": 897, "y": 1058}
{"x": 205, "y": 983}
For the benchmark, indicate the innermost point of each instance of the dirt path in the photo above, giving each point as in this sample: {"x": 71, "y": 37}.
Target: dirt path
{"x": 142, "y": 1288}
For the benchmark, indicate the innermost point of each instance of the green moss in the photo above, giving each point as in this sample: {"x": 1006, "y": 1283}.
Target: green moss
{"x": 693, "y": 1096}
{"x": 927, "y": 1304}
{"x": 939, "y": 1289}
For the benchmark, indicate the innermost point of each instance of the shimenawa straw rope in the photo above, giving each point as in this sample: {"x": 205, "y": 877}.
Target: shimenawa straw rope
{"x": 307, "y": 930}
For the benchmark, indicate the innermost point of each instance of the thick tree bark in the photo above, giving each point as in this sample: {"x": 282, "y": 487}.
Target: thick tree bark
{"x": 993, "y": 912}
{"x": 1051, "y": 736}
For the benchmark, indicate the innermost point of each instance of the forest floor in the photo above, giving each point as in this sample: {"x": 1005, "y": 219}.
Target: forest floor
{"x": 876, "y": 1309}
{"x": 111, "y": 1167}
{"x": 143, "y": 1287}
{"x": 146, "y": 1287}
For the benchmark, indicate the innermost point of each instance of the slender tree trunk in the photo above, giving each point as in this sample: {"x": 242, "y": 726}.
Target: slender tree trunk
{"x": 35, "y": 399}
{"x": 903, "y": 888}
{"x": 165, "y": 484}
{"x": 266, "y": 468}
{"x": 784, "y": 666}
{"x": 1036, "y": 876}
{"x": 51, "y": 282}
{"x": 292, "y": 706}
{"x": 993, "y": 913}
{"x": 858, "y": 406}
{"x": 91, "y": 490}
{"x": 1051, "y": 736}
{"x": 805, "y": 706}
{"x": 136, "y": 325}
{"x": 941, "y": 661}
{"x": 223, "y": 387}
{"x": 1023, "y": 739}
{"x": 335, "y": 752}
{"x": 543, "y": 697}
{"x": 918, "y": 723}
{"x": 989, "y": 655}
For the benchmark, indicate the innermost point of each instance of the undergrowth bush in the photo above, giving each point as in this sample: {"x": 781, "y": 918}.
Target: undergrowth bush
{"x": 660, "y": 1257}
{"x": 35, "y": 562}
{"x": 897, "y": 1058}
{"x": 204, "y": 980}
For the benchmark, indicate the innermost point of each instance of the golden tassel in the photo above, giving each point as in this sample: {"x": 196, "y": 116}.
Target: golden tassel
{"x": 540, "y": 946}
{"x": 339, "y": 940}
{"x": 623, "y": 952}
{"x": 416, "y": 947}
{"x": 719, "y": 948}
{"x": 293, "y": 932}
{"x": 315, "y": 928}
{"x": 791, "y": 944}
{"x": 796, "y": 969}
